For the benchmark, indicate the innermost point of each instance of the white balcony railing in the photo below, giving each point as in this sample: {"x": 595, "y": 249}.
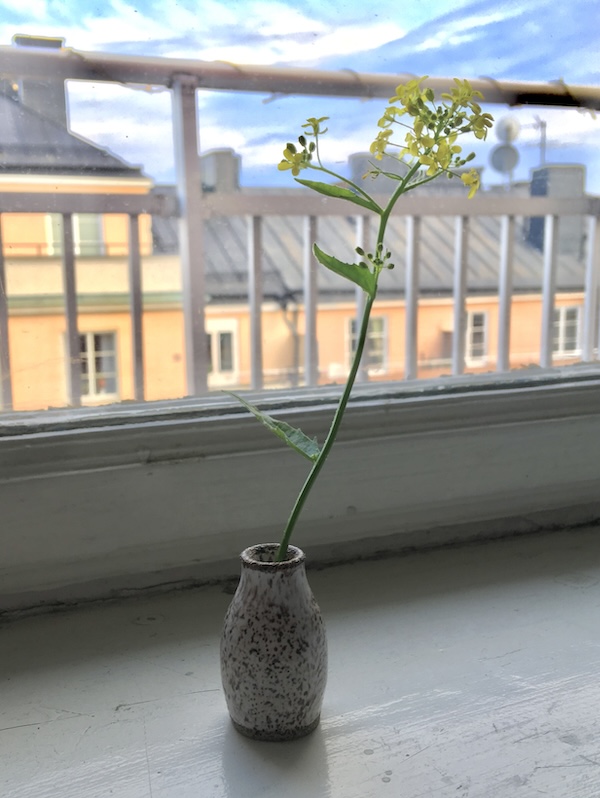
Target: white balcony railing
{"x": 183, "y": 78}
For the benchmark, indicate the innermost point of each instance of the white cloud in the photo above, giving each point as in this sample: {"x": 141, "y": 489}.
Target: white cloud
{"x": 462, "y": 30}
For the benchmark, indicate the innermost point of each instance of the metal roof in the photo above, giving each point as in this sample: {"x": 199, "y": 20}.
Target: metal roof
{"x": 30, "y": 143}
{"x": 283, "y": 244}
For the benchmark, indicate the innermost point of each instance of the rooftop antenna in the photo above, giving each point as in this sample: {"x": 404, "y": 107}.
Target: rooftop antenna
{"x": 504, "y": 157}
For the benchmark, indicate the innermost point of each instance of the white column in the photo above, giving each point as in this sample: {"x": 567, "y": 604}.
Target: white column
{"x": 191, "y": 232}
{"x": 505, "y": 288}
{"x": 461, "y": 243}
{"x": 411, "y": 296}
{"x": 311, "y": 354}
{"x": 549, "y": 289}
{"x": 255, "y": 289}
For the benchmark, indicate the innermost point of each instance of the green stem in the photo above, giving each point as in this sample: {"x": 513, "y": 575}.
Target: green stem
{"x": 339, "y": 413}
{"x": 331, "y": 435}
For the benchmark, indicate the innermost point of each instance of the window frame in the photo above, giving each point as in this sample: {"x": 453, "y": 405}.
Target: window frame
{"x": 96, "y": 397}
{"x": 470, "y": 359}
{"x": 352, "y": 326}
{"x": 560, "y": 322}
{"x": 215, "y": 328}
{"x": 170, "y": 492}
{"x": 54, "y": 242}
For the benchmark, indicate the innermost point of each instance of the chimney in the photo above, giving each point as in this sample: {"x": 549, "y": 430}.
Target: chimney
{"x": 44, "y": 95}
{"x": 220, "y": 170}
{"x": 566, "y": 182}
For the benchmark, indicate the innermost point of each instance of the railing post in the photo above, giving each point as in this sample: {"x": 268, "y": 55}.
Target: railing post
{"x": 6, "y": 398}
{"x": 191, "y": 237}
{"x": 136, "y": 307}
{"x": 411, "y": 296}
{"x": 70, "y": 291}
{"x": 590, "y": 305}
{"x": 255, "y": 291}
{"x": 549, "y": 289}
{"x": 461, "y": 240}
{"x": 505, "y": 287}
{"x": 362, "y": 241}
{"x": 311, "y": 355}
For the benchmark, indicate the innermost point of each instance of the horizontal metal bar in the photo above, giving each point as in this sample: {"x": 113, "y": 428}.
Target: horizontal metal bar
{"x": 299, "y": 204}
{"x": 46, "y": 202}
{"x": 69, "y": 64}
{"x": 303, "y": 203}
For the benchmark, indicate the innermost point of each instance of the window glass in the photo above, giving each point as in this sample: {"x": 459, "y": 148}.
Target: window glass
{"x": 98, "y": 365}
{"x": 108, "y": 147}
{"x": 374, "y": 353}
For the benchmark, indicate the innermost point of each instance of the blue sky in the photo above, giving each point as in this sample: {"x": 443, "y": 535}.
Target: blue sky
{"x": 527, "y": 40}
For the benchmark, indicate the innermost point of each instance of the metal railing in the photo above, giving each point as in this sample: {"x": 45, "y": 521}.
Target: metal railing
{"x": 183, "y": 78}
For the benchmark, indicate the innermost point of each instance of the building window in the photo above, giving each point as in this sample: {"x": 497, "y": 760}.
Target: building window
{"x": 98, "y": 352}
{"x": 476, "y": 348}
{"x": 88, "y": 234}
{"x": 374, "y": 355}
{"x": 565, "y": 340}
{"x": 221, "y": 343}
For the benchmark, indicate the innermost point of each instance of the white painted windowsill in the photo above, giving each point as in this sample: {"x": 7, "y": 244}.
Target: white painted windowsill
{"x": 466, "y": 672}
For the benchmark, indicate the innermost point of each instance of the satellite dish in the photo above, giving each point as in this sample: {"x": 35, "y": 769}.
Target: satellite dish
{"x": 507, "y": 129}
{"x": 504, "y": 158}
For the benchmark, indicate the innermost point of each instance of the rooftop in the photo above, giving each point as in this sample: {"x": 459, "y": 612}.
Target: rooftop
{"x": 31, "y": 143}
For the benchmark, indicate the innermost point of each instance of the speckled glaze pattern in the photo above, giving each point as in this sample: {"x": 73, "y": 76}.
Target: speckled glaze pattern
{"x": 273, "y": 648}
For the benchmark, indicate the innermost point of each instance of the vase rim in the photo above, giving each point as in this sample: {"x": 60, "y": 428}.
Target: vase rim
{"x": 251, "y": 557}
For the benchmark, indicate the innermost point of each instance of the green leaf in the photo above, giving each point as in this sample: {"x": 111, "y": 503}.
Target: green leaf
{"x": 307, "y": 447}
{"x": 361, "y": 275}
{"x": 340, "y": 193}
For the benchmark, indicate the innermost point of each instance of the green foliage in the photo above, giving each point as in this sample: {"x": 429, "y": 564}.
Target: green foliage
{"x": 301, "y": 443}
{"x": 359, "y": 273}
{"x": 341, "y": 193}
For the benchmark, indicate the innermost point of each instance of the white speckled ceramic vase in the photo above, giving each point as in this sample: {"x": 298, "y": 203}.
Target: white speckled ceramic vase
{"x": 273, "y": 648}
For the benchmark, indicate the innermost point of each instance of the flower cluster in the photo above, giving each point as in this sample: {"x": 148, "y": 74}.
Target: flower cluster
{"x": 430, "y": 140}
{"x": 295, "y": 159}
{"x": 378, "y": 260}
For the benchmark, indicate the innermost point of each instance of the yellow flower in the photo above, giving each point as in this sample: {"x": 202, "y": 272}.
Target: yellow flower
{"x": 377, "y": 148}
{"x": 293, "y": 160}
{"x": 472, "y": 180}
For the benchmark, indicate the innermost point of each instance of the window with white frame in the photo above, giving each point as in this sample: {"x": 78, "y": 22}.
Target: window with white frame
{"x": 476, "y": 344}
{"x": 88, "y": 234}
{"x": 221, "y": 344}
{"x": 98, "y": 353}
{"x": 566, "y": 330}
{"x": 375, "y": 353}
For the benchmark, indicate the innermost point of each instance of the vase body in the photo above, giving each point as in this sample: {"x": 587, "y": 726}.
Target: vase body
{"x": 273, "y": 648}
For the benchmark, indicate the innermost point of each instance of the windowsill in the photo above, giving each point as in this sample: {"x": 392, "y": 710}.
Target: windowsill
{"x": 457, "y": 672}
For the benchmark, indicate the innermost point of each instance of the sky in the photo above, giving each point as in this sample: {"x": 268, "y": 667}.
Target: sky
{"x": 538, "y": 40}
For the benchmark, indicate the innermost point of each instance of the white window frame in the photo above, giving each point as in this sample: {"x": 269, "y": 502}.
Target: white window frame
{"x": 372, "y": 335}
{"x": 170, "y": 492}
{"x": 470, "y": 358}
{"x": 94, "y": 396}
{"x": 55, "y": 244}
{"x": 559, "y": 326}
{"x": 219, "y": 377}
